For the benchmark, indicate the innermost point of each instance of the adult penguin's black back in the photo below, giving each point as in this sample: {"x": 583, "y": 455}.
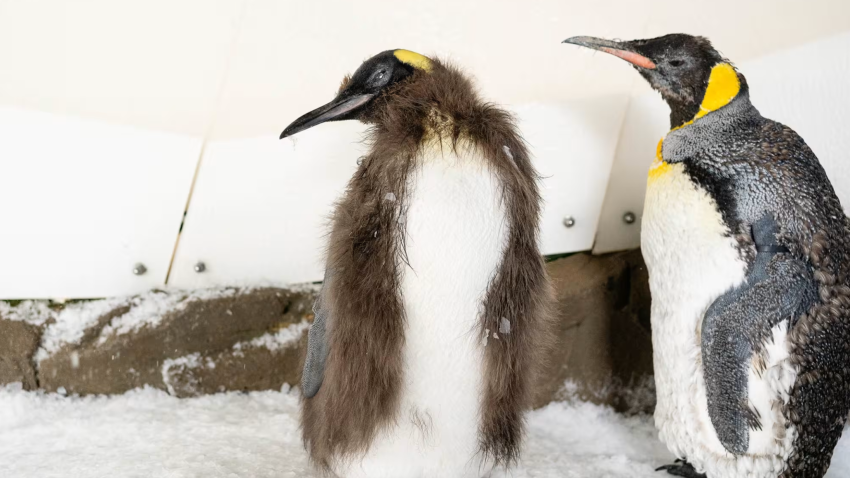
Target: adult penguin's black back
{"x": 747, "y": 249}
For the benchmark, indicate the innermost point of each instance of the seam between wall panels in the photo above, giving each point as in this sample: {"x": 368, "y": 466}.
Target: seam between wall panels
{"x": 644, "y": 34}
{"x": 620, "y": 130}
{"x": 228, "y": 63}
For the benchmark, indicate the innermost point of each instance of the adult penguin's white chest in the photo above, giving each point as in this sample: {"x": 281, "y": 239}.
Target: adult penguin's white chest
{"x": 692, "y": 259}
{"x": 455, "y": 230}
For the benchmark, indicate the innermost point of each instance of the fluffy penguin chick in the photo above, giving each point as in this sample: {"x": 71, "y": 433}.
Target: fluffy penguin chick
{"x": 747, "y": 249}
{"x": 431, "y": 319}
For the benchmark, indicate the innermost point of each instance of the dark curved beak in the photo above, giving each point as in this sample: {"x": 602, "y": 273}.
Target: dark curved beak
{"x": 339, "y": 109}
{"x": 623, "y": 50}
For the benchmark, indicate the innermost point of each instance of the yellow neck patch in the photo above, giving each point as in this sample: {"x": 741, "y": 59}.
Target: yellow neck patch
{"x": 723, "y": 87}
{"x": 414, "y": 59}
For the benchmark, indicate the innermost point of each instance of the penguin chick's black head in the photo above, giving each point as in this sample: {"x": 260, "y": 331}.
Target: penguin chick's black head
{"x": 358, "y": 92}
{"x": 678, "y": 66}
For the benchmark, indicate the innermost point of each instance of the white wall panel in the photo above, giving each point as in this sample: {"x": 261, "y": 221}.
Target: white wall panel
{"x": 647, "y": 121}
{"x": 572, "y": 145}
{"x": 291, "y": 56}
{"x": 804, "y": 87}
{"x": 260, "y": 206}
{"x": 236, "y": 71}
{"x": 152, "y": 64}
{"x": 81, "y": 202}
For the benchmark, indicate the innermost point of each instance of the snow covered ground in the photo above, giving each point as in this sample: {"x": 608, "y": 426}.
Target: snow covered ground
{"x": 148, "y": 433}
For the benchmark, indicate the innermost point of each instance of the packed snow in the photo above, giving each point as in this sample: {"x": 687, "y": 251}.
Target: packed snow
{"x": 148, "y": 433}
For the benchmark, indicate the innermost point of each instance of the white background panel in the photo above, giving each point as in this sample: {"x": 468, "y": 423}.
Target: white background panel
{"x": 647, "y": 121}
{"x": 290, "y": 53}
{"x": 804, "y": 87}
{"x": 81, "y": 202}
{"x": 154, "y": 64}
{"x": 260, "y": 207}
{"x": 291, "y": 56}
{"x": 572, "y": 145}
{"x": 233, "y": 73}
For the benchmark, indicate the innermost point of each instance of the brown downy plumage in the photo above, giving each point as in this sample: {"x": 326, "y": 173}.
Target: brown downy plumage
{"x": 360, "y": 393}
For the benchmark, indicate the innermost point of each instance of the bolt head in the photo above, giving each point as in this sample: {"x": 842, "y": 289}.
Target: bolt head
{"x": 629, "y": 218}
{"x": 139, "y": 269}
{"x": 569, "y": 221}
{"x": 200, "y": 267}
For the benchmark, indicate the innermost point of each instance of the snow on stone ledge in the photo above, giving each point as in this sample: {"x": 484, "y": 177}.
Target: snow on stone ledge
{"x": 35, "y": 312}
{"x": 71, "y": 322}
{"x": 149, "y": 309}
{"x": 146, "y": 310}
{"x": 276, "y": 341}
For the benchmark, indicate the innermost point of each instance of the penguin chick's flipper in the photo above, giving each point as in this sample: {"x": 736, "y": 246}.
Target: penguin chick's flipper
{"x": 739, "y": 324}
{"x": 317, "y": 343}
{"x": 681, "y": 468}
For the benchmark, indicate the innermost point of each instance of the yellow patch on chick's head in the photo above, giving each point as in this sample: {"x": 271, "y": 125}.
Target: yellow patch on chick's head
{"x": 414, "y": 59}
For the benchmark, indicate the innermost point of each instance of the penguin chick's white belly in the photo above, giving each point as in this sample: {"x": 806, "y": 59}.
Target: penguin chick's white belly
{"x": 692, "y": 259}
{"x": 456, "y": 232}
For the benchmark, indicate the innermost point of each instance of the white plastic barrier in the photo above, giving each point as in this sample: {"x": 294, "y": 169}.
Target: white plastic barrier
{"x": 82, "y": 202}
{"x": 260, "y": 206}
{"x": 647, "y": 120}
{"x": 82, "y": 199}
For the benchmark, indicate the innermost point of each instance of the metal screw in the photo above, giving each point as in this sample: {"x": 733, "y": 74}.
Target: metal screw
{"x": 629, "y": 218}
{"x": 200, "y": 267}
{"x": 569, "y": 221}
{"x": 139, "y": 269}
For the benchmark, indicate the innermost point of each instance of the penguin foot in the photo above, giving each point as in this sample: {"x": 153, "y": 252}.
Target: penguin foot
{"x": 681, "y": 468}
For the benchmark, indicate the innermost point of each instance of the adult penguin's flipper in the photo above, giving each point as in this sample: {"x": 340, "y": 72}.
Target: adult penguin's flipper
{"x": 739, "y": 324}
{"x": 317, "y": 343}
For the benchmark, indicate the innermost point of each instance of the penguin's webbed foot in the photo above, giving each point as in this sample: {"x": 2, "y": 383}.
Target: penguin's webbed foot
{"x": 681, "y": 468}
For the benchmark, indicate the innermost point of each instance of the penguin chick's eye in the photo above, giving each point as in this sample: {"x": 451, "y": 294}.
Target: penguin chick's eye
{"x": 380, "y": 78}
{"x": 675, "y": 63}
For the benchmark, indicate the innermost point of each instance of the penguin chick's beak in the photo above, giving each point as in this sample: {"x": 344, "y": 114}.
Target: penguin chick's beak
{"x": 338, "y": 109}
{"x": 622, "y": 50}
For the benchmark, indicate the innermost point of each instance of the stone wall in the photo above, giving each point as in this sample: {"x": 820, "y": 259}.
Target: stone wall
{"x": 192, "y": 343}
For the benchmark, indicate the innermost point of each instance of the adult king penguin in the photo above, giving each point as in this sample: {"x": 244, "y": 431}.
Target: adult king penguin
{"x": 747, "y": 249}
{"x": 430, "y": 322}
